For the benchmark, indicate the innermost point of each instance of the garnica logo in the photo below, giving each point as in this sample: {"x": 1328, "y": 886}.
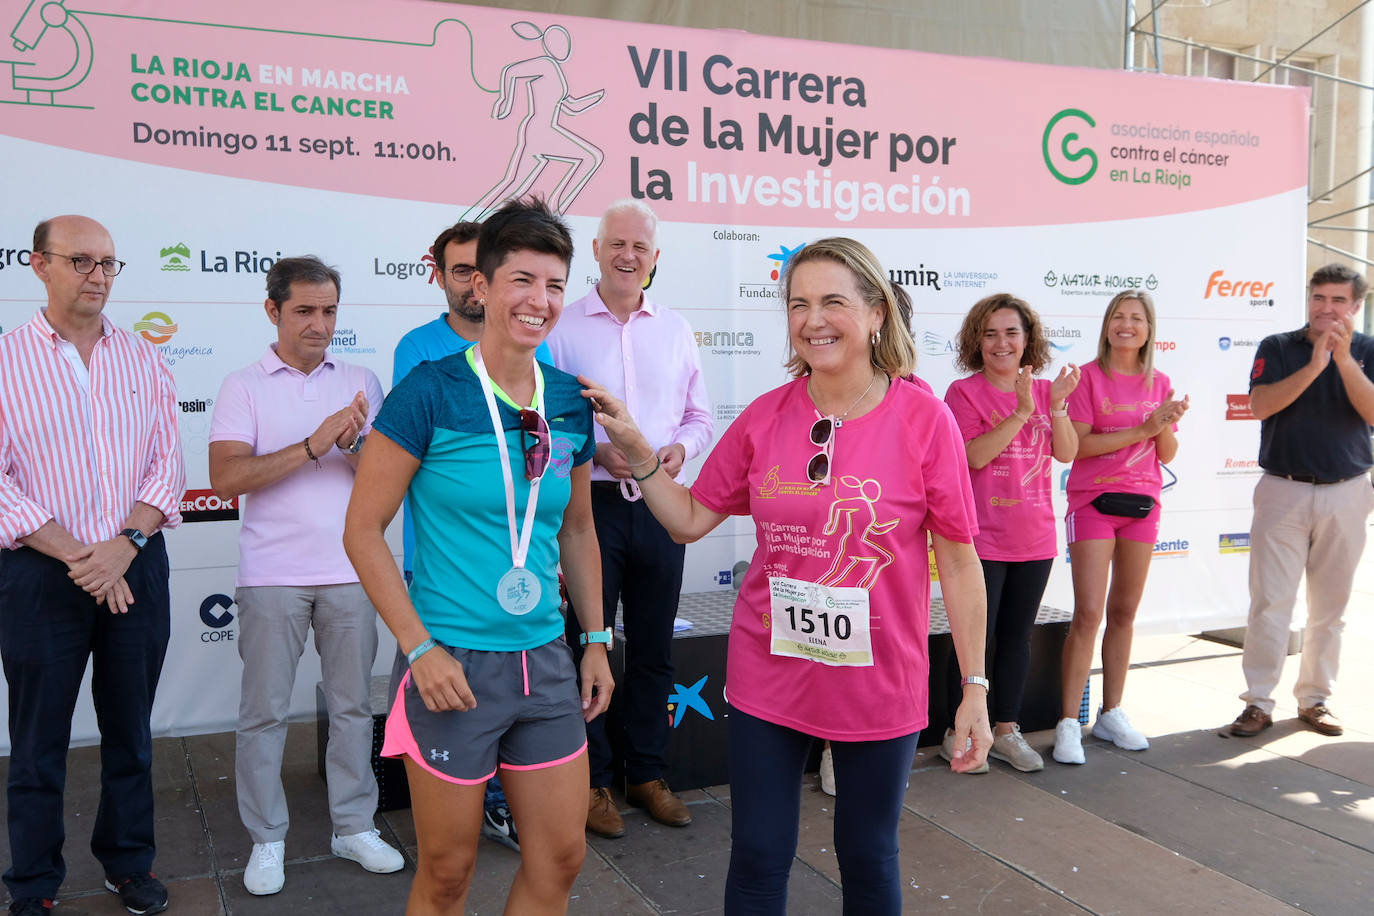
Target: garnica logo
{"x": 1059, "y": 146}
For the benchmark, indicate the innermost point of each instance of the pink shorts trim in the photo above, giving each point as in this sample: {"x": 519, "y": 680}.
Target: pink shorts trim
{"x": 1087, "y": 524}
{"x": 524, "y": 662}
{"x": 400, "y": 742}
{"x": 552, "y": 763}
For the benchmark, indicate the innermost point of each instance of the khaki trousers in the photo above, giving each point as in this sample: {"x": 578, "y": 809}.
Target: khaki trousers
{"x": 1297, "y": 527}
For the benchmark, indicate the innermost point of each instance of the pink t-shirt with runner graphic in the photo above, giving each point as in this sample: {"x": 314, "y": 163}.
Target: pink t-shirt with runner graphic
{"x": 1015, "y": 517}
{"x": 1111, "y": 403}
{"x": 896, "y": 472}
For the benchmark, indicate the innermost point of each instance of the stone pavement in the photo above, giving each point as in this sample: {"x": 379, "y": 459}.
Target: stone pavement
{"x": 1199, "y": 823}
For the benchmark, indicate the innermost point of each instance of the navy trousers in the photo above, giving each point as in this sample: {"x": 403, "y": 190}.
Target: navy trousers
{"x": 641, "y": 568}
{"x": 49, "y": 627}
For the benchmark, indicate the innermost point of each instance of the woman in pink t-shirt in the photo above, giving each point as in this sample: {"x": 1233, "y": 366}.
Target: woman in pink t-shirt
{"x": 1124, "y": 412}
{"x": 845, "y": 470}
{"x": 1013, "y": 425}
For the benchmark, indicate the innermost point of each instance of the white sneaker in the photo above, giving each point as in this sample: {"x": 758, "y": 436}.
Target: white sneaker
{"x": 947, "y": 752}
{"x": 1012, "y": 748}
{"x": 1112, "y": 725}
{"x": 369, "y": 850}
{"x": 827, "y": 772}
{"x": 1068, "y": 742}
{"x": 266, "y": 871}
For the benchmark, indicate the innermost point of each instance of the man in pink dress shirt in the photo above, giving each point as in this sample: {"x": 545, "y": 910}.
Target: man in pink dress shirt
{"x": 287, "y": 431}
{"x": 646, "y": 355}
{"x": 91, "y": 472}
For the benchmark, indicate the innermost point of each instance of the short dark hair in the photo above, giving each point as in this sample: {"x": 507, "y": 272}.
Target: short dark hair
{"x": 459, "y": 232}
{"x": 522, "y": 225}
{"x": 304, "y": 269}
{"x": 970, "y": 356}
{"x": 40, "y": 235}
{"x": 1339, "y": 273}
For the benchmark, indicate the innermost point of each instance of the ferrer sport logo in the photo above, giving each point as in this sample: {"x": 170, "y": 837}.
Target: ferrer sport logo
{"x": 156, "y": 327}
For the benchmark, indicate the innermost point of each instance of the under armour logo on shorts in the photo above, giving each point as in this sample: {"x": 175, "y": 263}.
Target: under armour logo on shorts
{"x": 436, "y": 754}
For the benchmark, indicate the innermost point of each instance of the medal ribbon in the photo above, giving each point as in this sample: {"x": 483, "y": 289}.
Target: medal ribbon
{"x": 519, "y": 543}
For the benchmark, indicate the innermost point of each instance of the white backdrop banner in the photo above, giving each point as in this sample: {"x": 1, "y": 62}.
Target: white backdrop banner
{"x": 213, "y": 139}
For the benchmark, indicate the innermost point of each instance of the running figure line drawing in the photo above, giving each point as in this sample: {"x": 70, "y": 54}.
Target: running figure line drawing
{"x": 541, "y": 137}
{"x": 866, "y": 494}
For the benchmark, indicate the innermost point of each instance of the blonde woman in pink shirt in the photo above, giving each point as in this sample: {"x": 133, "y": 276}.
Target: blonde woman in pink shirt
{"x": 1125, "y": 414}
{"x": 845, "y": 470}
{"x": 1012, "y": 424}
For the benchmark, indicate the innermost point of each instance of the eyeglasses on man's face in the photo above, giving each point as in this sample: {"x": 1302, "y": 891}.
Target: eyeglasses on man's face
{"x": 84, "y": 264}
{"x": 462, "y": 272}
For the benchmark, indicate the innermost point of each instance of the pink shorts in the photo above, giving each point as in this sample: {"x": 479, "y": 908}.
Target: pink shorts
{"x": 1087, "y": 524}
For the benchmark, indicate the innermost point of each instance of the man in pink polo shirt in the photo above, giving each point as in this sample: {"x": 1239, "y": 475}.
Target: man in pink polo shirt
{"x": 287, "y": 431}
{"x": 646, "y": 355}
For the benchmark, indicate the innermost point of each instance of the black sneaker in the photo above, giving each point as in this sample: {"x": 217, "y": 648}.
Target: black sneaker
{"x": 140, "y": 894}
{"x": 498, "y": 825}
{"x": 31, "y": 906}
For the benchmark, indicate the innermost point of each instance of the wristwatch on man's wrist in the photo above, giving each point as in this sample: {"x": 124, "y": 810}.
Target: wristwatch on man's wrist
{"x": 356, "y": 447}
{"x": 975, "y": 679}
{"x": 136, "y": 537}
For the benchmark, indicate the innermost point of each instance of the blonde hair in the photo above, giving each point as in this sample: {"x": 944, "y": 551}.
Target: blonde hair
{"x": 895, "y": 353}
{"x": 1147, "y": 352}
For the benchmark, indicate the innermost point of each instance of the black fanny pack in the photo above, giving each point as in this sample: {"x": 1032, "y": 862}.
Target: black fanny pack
{"x": 1126, "y": 505}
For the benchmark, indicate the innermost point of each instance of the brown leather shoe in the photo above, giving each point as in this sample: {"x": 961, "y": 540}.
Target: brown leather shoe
{"x": 1321, "y": 719}
{"x": 659, "y": 800}
{"x": 1251, "y": 722}
{"x": 603, "y": 818}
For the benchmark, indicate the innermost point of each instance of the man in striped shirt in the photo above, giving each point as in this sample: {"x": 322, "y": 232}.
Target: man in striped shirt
{"x": 91, "y": 470}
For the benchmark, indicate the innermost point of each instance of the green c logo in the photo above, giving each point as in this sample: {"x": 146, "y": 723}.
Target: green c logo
{"x": 1069, "y": 155}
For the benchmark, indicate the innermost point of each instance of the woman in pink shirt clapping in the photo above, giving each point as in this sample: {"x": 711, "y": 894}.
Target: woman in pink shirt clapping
{"x": 1125, "y": 414}
{"x": 1012, "y": 424}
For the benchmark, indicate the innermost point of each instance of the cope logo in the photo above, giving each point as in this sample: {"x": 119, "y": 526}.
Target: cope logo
{"x": 215, "y": 614}
{"x": 156, "y": 327}
{"x": 1067, "y": 160}
{"x": 205, "y": 506}
{"x": 176, "y": 258}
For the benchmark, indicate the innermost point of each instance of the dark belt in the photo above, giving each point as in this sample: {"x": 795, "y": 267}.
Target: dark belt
{"x": 1308, "y": 478}
{"x": 607, "y": 485}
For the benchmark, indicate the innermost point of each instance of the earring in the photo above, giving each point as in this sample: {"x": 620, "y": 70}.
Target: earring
{"x": 875, "y": 337}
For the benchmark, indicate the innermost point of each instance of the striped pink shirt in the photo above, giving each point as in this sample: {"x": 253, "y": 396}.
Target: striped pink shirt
{"x": 83, "y": 451}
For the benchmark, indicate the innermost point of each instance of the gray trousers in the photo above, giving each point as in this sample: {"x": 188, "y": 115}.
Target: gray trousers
{"x": 1297, "y": 528}
{"x": 273, "y": 623}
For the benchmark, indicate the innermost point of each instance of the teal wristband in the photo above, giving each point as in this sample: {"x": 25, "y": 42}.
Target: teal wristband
{"x": 421, "y": 649}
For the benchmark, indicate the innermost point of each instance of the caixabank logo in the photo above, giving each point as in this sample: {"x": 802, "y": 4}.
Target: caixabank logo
{"x": 215, "y": 613}
{"x": 775, "y": 264}
{"x": 205, "y": 506}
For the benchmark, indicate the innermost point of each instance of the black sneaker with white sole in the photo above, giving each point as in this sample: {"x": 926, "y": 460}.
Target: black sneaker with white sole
{"x": 498, "y": 825}
{"x": 141, "y": 894}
